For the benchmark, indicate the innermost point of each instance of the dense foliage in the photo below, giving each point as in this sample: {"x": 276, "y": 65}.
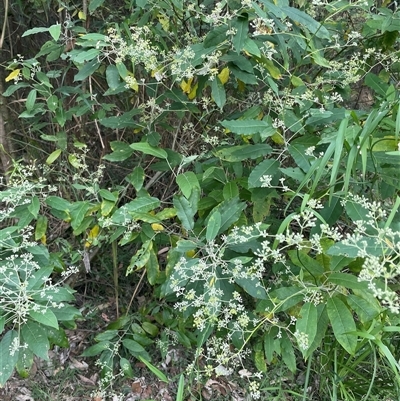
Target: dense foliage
{"x": 245, "y": 155}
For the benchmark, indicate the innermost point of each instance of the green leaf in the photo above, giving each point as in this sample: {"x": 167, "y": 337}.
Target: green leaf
{"x": 30, "y": 100}
{"x": 53, "y": 156}
{"x": 150, "y": 328}
{"x": 306, "y": 262}
{"x": 249, "y": 127}
{"x": 58, "y": 295}
{"x": 322, "y": 325}
{"x": 287, "y": 297}
{"x": 78, "y": 213}
{"x": 143, "y": 204}
{"x": 35, "y": 30}
{"x": 269, "y": 343}
{"x": 67, "y": 313}
{"x": 252, "y": 286}
{"x": 338, "y": 262}
{"x": 126, "y": 368}
{"x": 245, "y": 77}
{"x": 125, "y": 120}
{"x": 61, "y": 117}
{"x": 308, "y": 22}
{"x": 94, "y": 5}
{"x": 112, "y": 76}
{"x": 141, "y": 257}
{"x": 356, "y": 212}
{"x": 46, "y": 317}
{"x": 218, "y": 92}
{"x": 57, "y": 203}
{"x": 259, "y": 358}
{"x": 57, "y": 337}
{"x": 133, "y": 347}
{"x": 243, "y": 152}
{"x": 287, "y": 352}
{"x": 55, "y": 31}
{"x": 376, "y": 84}
{"x": 136, "y": 178}
{"x": 213, "y": 225}
{"x": 297, "y": 149}
{"x": 230, "y": 190}
{"x": 268, "y": 167}
{"x": 152, "y": 268}
{"x": 97, "y": 349}
{"x": 230, "y": 211}
{"x": 307, "y": 322}
{"x": 88, "y": 69}
{"x": 295, "y": 173}
{"x": 8, "y": 359}
{"x": 216, "y": 36}
{"x": 24, "y": 363}
{"x": 121, "y": 152}
{"x": 347, "y": 280}
{"x": 351, "y": 251}
{"x": 187, "y": 182}
{"x": 108, "y": 195}
{"x": 241, "y": 26}
{"x": 366, "y": 309}
{"x": 74, "y": 161}
{"x": 184, "y": 211}
{"x": 181, "y": 388}
{"x": 34, "y": 206}
{"x": 342, "y": 324}
{"x": 83, "y": 56}
{"x": 2, "y": 324}
{"x": 35, "y": 336}
{"x": 147, "y": 149}
{"x": 318, "y": 116}
{"x": 154, "y": 370}
{"x": 36, "y": 280}
{"x": 13, "y": 88}
{"x": 112, "y": 333}
{"x": 251, "y": 47}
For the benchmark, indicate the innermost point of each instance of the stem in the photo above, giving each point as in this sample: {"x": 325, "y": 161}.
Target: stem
{"x": 115, "y": 274}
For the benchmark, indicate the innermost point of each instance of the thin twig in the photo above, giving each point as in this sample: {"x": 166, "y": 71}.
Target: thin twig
{"x": 135, "y": 292}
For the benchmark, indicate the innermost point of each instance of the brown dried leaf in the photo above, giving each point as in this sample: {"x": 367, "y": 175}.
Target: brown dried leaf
{"x": 86, "y": 380}
{"x": 136, "y": 387}
{"x": 75, "y": 364}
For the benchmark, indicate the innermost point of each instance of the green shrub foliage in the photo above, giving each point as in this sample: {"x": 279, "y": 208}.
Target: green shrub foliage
{"x": 249, "y": 152}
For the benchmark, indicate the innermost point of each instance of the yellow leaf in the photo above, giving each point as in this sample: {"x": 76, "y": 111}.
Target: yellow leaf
{"x": 192, "y": 93}
{"x": 164, "y": 21}
{"x": 389, "y": 243}
{"x": 278, "y": 138}
{"x": 82, "y": 15}
{"x": 224, "y": 75}
{"x": 132, "y": 82}
{"x": 241, "y": 85}
{"x": 14, "y": 74}
{"x": 191, "y": 253}
{"x": 272, "y": 69}
{"x": 43, "y": 240}
{"x": 186, "y": 86}
{"x": 157, "y": 227}
{"x": 157, "y": 73}
{"x": 93, "y": 234}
